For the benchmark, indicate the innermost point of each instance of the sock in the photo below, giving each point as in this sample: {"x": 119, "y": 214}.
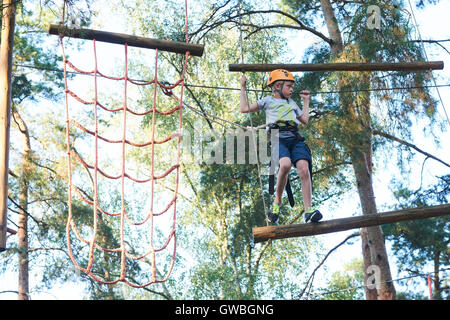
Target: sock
{"x": 276, "y": 208}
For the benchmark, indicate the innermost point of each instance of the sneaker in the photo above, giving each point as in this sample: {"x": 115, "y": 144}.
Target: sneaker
{"x": 272, "y": 217}
{"x": 313, "y": 216}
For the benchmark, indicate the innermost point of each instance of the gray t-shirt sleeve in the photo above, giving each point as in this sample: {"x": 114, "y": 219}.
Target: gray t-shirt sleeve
{"x": 297, "y": 110}
{"x": 263, "y": 103}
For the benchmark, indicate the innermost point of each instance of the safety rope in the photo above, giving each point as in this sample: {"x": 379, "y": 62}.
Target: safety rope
{"x": 416, "y": 25}
{"x": 123, "y": 176}
{"x": 241, "y": 42}
{"x": 191, "y": 85}
{"x": 315, "y": 296}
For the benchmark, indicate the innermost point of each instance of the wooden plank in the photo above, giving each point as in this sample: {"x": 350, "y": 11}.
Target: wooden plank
{"x": 301, "y": 230}
{"x": 135, "y": 41}
{"x": 345, "y": 66}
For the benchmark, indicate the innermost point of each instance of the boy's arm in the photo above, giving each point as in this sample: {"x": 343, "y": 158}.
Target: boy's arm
{"x": 244, "y": 105}
{"x": 304, "y": 118}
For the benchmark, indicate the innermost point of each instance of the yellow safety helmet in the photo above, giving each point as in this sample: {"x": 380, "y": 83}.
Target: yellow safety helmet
{"x": 279, "y": 74}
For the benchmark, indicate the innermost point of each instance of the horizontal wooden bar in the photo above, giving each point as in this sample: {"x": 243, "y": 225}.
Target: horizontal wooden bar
{"x": 135, "y": 41}
{"x": 344, "y": 66}
{"x": 336, "y": 225}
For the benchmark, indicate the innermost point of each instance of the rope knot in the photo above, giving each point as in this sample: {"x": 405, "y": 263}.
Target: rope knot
{"x": 165, "y": 87}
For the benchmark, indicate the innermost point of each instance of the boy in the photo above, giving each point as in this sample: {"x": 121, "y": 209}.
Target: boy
{"x": 283, "y": 113}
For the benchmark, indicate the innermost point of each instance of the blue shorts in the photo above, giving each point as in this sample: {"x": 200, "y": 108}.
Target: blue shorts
{"x": 294, "y": 149}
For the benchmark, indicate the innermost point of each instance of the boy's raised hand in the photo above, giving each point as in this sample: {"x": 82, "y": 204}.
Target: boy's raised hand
{"x": 304, "y": 94}
{"x": 243, "y": 80}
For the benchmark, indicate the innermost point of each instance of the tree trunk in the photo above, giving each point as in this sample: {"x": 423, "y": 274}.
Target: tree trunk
{"x": 375, "y": 238}
{"x": 372, "y": 237}
{"x": 333, "y": 28}
{"x": 437, "y": 292}
{"x": 370, "y": 293}
{"x": 6, "y": 49}
{"x": 23, "y": 210}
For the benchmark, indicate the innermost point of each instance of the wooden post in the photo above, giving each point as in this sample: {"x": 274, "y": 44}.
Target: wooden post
{"x": 301, "y": 230}
{"x": 430, "y": 289}
{"x": 305, "y": 67}
{"x": 120, "y": 38}
{"x": 6, "y": 50}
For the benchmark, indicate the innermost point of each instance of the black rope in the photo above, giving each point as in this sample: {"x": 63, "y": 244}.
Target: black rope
{"x": 363, "y": 286}
{"x": 253, "y": 90}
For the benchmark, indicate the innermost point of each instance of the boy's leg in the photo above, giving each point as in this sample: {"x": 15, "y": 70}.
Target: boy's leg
{"x": 285, "y": 167}
{"x": 285, "y": 164}
{"x": 277, "y": 211}
{"x": 302, "y": 152}
{"x": 305, "y": 177}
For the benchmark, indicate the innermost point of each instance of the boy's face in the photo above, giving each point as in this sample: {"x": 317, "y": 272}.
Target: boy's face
{"x": 286, "y": 88}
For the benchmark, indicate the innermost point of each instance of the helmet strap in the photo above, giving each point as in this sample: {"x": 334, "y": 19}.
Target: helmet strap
{"x": 280, "y": 91}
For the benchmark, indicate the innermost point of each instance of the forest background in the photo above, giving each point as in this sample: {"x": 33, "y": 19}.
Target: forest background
{"x": 218, "y": 204}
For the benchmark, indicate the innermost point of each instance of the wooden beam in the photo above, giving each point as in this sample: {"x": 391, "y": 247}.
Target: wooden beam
{"x": 301, "y": 230}
{"x": 305, "y": 67}
{"x": 135, "y": 41}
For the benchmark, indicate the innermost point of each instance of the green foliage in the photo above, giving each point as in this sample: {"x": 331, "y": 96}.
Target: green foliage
{"x": 28, "y": 51}
{"x": 420, "y": 243}
{"x": 346, "y": 284}
{"x": 410, "y": 296}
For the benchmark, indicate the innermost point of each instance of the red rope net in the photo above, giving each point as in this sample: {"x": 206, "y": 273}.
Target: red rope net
{"x": 124, "y": 252}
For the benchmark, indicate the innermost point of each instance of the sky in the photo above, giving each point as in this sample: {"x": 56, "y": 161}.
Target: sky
{"x": 433, "y": 24}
